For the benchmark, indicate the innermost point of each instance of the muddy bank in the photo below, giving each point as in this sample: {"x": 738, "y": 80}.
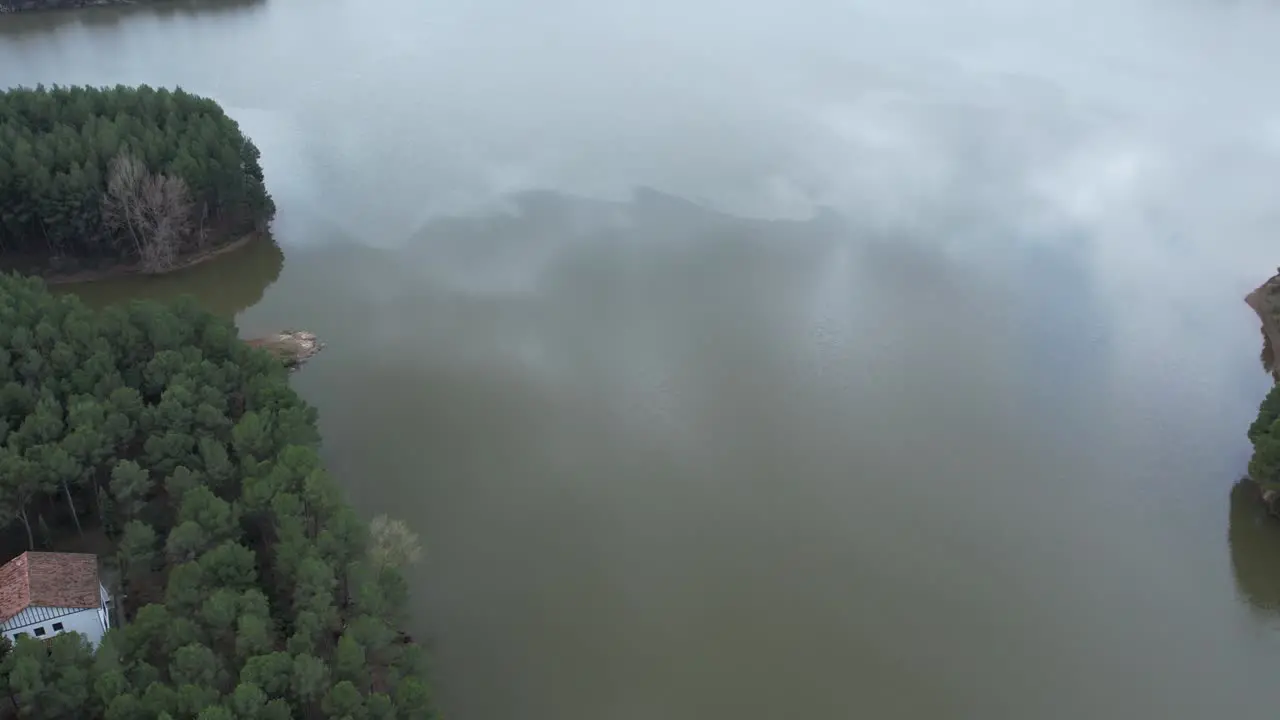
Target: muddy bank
{"x": 60, "y": 276}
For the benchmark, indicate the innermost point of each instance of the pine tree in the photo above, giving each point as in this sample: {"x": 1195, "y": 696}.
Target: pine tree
{"x": 251, "y": 588}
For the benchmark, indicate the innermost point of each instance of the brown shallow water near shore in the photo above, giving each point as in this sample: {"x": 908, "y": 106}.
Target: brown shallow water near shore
{"x": 227, "y": 282}
{"x": 119, "y": 271}
{"x": 916, "y": 389}
{"x": 184, "y": 262}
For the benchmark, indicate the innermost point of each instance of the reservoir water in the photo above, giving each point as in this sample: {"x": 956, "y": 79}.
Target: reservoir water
{"x": 787, "y": 359}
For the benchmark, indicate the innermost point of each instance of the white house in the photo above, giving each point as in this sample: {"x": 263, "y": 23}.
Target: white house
{"x": 43, "y": 594}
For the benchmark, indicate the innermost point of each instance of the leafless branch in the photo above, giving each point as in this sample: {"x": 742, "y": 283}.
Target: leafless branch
{"x": 154, "y": 209}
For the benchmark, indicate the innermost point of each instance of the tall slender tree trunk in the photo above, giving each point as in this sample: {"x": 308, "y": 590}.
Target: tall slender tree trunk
{"x": 31, "y": 539}
{"x": 46, "y": 535}
{"x": 97, "y": 499}
{"x": 66, "y": 489}
{"x": 117, "y": 596}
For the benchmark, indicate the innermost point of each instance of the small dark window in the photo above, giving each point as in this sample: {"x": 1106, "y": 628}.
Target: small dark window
{"x": 38, "y": 632}
{"x": 18, "y": 635}
{"x": 57, "y": 627}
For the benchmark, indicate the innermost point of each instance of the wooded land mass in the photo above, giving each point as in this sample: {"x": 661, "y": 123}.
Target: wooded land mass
{"x": 132, "y": 175}
{"x": 251, "y": 588}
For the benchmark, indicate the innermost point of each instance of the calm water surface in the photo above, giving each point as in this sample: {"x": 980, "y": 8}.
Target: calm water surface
{"x": 815, "y": 360}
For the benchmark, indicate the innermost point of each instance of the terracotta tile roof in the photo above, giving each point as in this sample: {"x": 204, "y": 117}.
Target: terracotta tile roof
{"x": 15, "y": 591}
{"x": 42, "y": 579}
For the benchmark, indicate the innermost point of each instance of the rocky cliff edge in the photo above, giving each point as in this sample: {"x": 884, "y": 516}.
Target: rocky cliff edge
{"x": 1265, "y": 301}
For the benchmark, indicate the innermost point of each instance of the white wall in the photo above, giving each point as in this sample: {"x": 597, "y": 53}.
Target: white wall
{"x": 87, "y": 622}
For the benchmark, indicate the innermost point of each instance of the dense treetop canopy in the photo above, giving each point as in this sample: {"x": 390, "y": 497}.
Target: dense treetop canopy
{"x": 193, "y": 177}
{"x": 1264, "y": 433}
{"x": 249, "y": 588}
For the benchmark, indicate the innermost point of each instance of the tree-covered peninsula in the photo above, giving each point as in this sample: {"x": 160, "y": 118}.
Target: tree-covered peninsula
{"x": 1264, "y": 432}
{"x": 247, "y": 587}
{"x": 133, "y": 176}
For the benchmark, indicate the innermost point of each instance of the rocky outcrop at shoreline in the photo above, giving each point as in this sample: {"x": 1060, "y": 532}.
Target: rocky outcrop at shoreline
{"x": 1265, "y": 301}
{"x": 293, "y": 347}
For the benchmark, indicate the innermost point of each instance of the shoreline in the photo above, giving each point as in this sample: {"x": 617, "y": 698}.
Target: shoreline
{"x": 29, "y": 7}
{"x": 34, "y": 6}
{"x": 119, "y": 271}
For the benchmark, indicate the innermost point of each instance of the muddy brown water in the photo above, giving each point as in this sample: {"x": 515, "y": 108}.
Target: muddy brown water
{"x": 813, "y": 360}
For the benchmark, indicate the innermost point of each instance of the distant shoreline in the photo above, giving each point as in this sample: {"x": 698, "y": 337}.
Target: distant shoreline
{"x": 23, "y": 6}
{"x": 28, "y": 7}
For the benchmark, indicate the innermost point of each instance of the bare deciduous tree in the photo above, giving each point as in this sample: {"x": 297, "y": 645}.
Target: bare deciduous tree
{"x": 392, "y": 543}
{"x": 154, "y": 209}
